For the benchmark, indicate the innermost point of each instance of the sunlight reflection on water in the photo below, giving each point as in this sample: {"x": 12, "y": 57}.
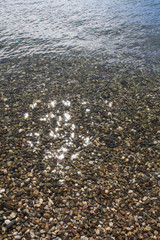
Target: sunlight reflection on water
{"x": 62, "y": 135}
{"x": 123, "y": 31}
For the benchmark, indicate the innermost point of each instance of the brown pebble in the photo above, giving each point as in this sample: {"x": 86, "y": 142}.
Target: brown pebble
{"x": 24, "y": 229}
{"x": 36, "y": 193}
{"x": 46, "y": 215}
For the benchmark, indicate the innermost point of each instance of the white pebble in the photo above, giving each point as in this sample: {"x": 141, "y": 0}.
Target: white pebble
{"x": 130, "y": 191}
{"x": 145, "y": 198}
{"x": 7, "y": 221}
{"x": 133, "y": 130}
{"x": 13, "y": 215}
{"x": 84, "y": 238}
{"x": 120, "y": 128}
{"x": 61, "y": 181}
{"x": 91, "y": 162}
{"x": 110, "y": 104}
{"x": 5, "y": 171}
{"x": 18, "y": 237}
{"x": 2, "y": 190}
{"x": 97, "y": 231}
{"x": 111, "y": 224}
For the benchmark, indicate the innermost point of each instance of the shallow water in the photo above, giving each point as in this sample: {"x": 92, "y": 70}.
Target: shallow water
{"x": 68, "y": 68}
{"x": 57, "y": 108}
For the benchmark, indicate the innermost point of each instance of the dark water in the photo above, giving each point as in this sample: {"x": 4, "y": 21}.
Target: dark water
{"x": 117, "y": 31}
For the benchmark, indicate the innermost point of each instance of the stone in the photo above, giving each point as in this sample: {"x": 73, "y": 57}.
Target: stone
{"x": 130, "y": 191}
{"x": 145, "y": 198}
{"x": 2, "y": 190}
{"x": 111, "y": 224}
{"x": 147, "y": 228}
{"x": 30, "y": 174}
{"x": 46, "y": 215}
{"x": 36, "y": 193}
{"x": 17, "y": 237}
{"x": 72, "y": 173}
{"x": 13, "y": 215}
{"x": 11, "y": 223}
{"x": 108, "y": 229}
{"x": 97, "y": 231}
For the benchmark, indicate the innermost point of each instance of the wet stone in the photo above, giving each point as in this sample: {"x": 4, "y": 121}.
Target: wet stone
{"x": 9, "y": 224}
{"x": 79, "y": 150}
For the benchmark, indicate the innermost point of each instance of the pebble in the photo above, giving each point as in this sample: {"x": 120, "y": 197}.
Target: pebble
{"x": 13, "y": 215}
{"x": 17, "y": 237}
{"x": 111, "y": 224}
{"x": 97, "y": 232}
{"x": 5, "y": 171}
{"x": 91, "y": 162}
{"x": 147, "y": 228}
{"x": 36, "y": 193}
{"x": 30, "y": 174}
{"x": 70, "y": 175}
{"x": 145, "y": 198}
{"x": 46, "y": 215}
{"x": 10, "y": 223}
{"x": 130, "y": 191}
{"x": 84, "y": 238}
{"x": 2, "y": 190}
{"x": 7, "y": 221}
{"x": 108, "y": 229}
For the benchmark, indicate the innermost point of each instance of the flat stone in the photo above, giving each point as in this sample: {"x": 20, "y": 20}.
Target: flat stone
{"x": 46, "y": 215}
{"x": 17, "y": 237}
{"x": 2, "y": 190}
{"x": 108, "y": 229}
{"x": 130, "y": 191}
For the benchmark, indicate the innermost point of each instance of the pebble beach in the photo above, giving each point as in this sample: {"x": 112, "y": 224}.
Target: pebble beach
{"x": 80, "y": 150}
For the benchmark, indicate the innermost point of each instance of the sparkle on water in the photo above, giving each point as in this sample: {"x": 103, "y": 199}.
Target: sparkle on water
{"x": 64, "y": 130}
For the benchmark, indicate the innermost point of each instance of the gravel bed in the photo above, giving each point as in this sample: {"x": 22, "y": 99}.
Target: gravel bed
{"x": 80, "y": 150}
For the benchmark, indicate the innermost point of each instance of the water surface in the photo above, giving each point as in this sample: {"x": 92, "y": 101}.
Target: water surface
{"x": 118, "y": 31}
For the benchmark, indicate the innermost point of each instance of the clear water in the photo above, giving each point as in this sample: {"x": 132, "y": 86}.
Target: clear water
{"x": 73, "y": 72}
{"x": 115, "y": 31}
{"x": 79, "y": 118}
